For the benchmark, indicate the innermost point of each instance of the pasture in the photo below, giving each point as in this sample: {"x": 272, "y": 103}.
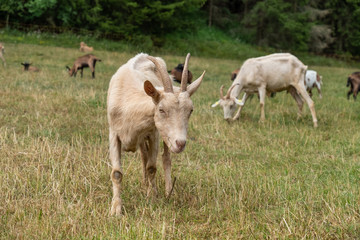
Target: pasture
{"x": 277, "y": 179}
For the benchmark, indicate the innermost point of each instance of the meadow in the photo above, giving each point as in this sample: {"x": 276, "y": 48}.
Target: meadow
{"x": 281, "y": 179}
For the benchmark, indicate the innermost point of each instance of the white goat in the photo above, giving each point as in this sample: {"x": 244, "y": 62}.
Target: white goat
{"x": 313, "y": 79}
{"x": 141, "y": 105}
{"x": 271, "y": 73}
{"x": 2, "y": 52}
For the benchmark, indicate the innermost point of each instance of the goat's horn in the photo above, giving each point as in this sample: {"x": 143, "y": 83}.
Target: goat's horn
{"x": 222, "y": 92}
{"x": 184, "y": 77}
{"x": 229, "y": 91}
{"x": 168, "y": 87}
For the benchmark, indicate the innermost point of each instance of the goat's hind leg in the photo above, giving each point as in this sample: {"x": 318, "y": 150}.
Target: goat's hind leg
{"x": 116, "y": 173}
{"x": 262, "y": 94}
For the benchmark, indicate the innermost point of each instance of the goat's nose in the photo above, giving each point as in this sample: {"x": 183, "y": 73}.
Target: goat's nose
{"x": 180, "y": 143}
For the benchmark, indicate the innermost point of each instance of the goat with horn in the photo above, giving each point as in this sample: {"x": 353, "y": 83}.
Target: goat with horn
{"x": 144, "y": 107}
{"x": 268, "y": 74}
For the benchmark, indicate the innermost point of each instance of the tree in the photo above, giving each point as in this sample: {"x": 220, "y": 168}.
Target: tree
{"x": 10, "y": 7}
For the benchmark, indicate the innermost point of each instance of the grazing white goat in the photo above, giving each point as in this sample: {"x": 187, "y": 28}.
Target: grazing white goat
{"x": 143, "y": 105}
{"x": 271, "y": 73}
{"x": 313, "y": 79}
{"x": 85, "y": 48}
{"x": 2, "y": 52}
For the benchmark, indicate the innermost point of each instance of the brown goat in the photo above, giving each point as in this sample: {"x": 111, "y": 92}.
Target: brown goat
{"x": 29, "y": 68}
{"x": 354, "y": 83}
{"x": 2, "y": 52}
{"x": 85, "y": 48}
{"x": 89, "y": 60}
{"x": 176, "y": 74}
{"x": 234, "y": 74}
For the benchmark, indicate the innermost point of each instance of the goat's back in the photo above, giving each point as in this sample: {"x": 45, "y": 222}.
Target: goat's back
{"x": 127, "y": 84}
{"x": 355, "y": 77}
{"x": 276, "y": 71}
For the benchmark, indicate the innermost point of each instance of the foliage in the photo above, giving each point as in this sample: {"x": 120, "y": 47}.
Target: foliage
{"x": 330, "y": 27}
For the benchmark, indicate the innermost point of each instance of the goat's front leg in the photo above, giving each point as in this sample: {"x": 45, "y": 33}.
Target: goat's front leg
{"x": 349, "y": 93}
{"x": 310, "y": 93}
{"x": 319, "y": 91}
{"x": 116, "y": 173}
{"x": 167, "y": 170}
{"x": 3, "y": 59}
{"x": 92, "y": 68}
{"x": 149, "y": 149}
{"x": 81, "y": 71}
{"x": 245, "y": 97}
{"x": 298, "y": 100}
{"x": 301, "y": 90}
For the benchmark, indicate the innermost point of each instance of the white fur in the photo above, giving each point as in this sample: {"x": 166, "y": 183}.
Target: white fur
{"x": 139, "y": 113}
{"x": 312, "y": 79}
{"x": 271, "y": 73}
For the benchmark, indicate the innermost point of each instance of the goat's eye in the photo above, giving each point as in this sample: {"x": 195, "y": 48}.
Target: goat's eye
{"x": 162, "y": 111}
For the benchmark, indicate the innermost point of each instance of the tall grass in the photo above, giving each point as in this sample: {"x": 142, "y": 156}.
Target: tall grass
{"x": 246, "y": 180}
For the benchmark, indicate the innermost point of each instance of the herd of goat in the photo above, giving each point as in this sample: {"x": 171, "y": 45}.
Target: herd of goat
{"x": 144, "y": 106}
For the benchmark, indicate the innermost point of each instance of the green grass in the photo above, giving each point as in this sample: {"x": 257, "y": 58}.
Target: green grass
{"x": 280, "y": 179}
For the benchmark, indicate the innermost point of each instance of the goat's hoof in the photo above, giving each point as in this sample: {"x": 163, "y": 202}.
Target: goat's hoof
{"x": 116, "y": 207}
{"x": 315, "y": 125}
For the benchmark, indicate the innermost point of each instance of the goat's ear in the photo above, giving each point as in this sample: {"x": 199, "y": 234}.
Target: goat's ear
{"x": 151, "y": 91}
{"x": 239, "y": 102}
{"x": 216, "y": 104}
{"x": 195, "y": 85}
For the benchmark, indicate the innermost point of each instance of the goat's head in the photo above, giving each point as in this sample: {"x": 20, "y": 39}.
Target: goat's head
{"x": 70, "y": 71}
{"x": 228, "y": 103}
{"x": 172, "y": 108}
{"x": 26, "y": 65}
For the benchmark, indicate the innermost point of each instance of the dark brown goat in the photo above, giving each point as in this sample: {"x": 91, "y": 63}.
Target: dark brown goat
{"x": 176, "y": 74}
{"x": 88, "y": 60}
{"x": 29, "y": 68}
{"x": 354, "y": 83}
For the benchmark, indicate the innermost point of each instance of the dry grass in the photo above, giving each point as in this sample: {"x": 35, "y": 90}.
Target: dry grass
{"x": 280, "y": 179}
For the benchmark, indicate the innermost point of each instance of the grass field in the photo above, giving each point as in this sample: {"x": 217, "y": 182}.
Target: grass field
{"x": 281, "y": 179}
